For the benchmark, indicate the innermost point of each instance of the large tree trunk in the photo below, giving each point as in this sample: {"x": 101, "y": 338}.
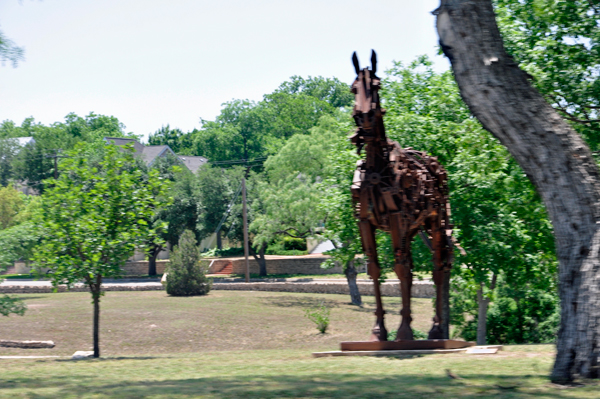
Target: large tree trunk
{"x": 553, "y": 156}
{"x": 152, "y": 255}
{"x": 260, "y": 258}
{"x": 350, "y": 272}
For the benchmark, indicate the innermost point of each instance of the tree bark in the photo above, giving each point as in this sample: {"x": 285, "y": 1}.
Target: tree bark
{"x": 219, "y": 241}
{"x": 152, "y": 255}
{"x": 351, "y": 273}
{"x": 96, "y": 291}
{"x": 554, "y": 157}
{"x": 260, "y": 258}
{"x": 483, "y": 303}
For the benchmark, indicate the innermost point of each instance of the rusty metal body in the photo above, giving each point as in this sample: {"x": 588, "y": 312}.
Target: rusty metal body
{"x": 401, "y": 191}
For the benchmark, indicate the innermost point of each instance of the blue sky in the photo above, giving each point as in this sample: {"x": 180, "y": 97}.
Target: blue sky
{"x": 152, "y": 63}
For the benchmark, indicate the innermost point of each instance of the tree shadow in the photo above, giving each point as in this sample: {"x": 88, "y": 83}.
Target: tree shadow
{"x": 110, "y": 359}
{"x": 299, "y": 302}
{"x": 349, "y": 385}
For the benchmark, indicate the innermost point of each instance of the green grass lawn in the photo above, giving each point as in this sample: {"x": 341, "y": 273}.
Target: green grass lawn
{"x": 233, "y": 344}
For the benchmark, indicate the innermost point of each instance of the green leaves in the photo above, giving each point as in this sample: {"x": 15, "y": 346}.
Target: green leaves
{"x": 558, "y": 43}
{"x": 94, "y": 216}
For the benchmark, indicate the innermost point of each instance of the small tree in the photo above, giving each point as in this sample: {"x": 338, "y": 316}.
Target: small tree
{"x": 187, "y": 276}
{"x": 93, "y": 217}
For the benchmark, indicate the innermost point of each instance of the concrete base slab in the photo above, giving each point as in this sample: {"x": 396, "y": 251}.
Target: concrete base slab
{"x": 413, "y": 344}
{"x": 409, "y": 352}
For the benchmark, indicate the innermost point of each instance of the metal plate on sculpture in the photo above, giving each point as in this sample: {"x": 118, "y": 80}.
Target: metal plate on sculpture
{"x": 405, "y": 345}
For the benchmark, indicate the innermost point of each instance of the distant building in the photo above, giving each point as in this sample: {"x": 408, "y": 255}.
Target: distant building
{"x": 151, "y": 153}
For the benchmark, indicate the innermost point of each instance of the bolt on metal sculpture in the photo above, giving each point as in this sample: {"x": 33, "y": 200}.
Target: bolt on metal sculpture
{"x": 401, "y": 191}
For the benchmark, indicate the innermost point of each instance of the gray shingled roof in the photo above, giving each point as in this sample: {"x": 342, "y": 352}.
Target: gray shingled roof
{"x": 151, "y": 152}
{"x": 193, "y": 163}
{"x": 137, "y": 146}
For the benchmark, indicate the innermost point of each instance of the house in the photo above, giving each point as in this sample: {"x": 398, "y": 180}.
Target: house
{"x": 150, "y": 153}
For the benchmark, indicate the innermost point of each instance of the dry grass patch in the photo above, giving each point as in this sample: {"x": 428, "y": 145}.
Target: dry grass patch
{"x": 151, "y": 322}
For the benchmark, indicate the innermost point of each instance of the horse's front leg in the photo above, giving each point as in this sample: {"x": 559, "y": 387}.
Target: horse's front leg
{"x": 367, "y": 233}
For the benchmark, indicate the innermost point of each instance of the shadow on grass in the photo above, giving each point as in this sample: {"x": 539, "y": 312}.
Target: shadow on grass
{"x": 299, "y": 302}
{"x": 108, "y": 359}
{"x": 308, "y": 386}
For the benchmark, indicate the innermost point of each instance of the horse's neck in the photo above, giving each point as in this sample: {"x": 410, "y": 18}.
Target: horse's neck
{"x": 376, "y": 151}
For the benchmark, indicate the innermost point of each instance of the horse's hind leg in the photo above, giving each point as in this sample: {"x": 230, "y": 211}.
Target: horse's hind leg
{"x": 367, "y": 233}
{"x": 441, "y": 262}
{"x": 403, "y": 268}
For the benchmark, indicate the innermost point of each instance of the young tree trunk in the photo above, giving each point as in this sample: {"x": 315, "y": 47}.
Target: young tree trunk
{"x": 554, "y": 157}
{"x": 260, "y": 258}
{"x": 96, "y": 291}
{"x": 350, "y": 272}
{"x": 152, "y": 255}
{"x": 219, "y": 241}
{"x": 483, "y": 303}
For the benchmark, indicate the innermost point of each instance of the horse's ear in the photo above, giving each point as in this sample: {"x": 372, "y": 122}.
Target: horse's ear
{"x": 373, "y": 61}
{"x": 355, "y": 62}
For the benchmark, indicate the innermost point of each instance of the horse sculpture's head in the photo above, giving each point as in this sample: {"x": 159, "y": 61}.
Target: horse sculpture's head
{"x": 367, "y": 113}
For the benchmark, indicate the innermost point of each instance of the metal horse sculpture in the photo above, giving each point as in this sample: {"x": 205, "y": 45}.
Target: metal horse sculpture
{"x": 400, "y": 191}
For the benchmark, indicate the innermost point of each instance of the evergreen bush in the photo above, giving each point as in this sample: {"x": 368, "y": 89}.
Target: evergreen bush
{"x": 187, "y": 274}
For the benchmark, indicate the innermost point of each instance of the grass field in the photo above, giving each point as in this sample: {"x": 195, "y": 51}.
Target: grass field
{"x": 233, "y": 344}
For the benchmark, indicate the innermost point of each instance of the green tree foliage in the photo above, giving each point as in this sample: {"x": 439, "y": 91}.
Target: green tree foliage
{"x": 187, "y": 274}
{"x": 9, "y": 51}
{"x": 330, "y": 90}
{"x": 499, "y": 218}
{"x": 11, "y": 203}
{"x": 253, "y": 130}
{"x": 37, "y": 162}
{"x": 18, "y": 236}
{"x": 177, "y": 140}
{"x": 516, "y": 315}
{"x": 291, "y": 193}
{"x": 558, "y": 44}
{"x": 93, "y": 217}
{"x": 9, "y": 148}
{"x": 217, "y": 187}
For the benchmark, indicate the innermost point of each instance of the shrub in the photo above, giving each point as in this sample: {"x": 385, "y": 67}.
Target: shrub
{"x": 278, "y": 248}
{"x": 517, "y": 315}
{"x": 319, "y": 316}
{"x": 187, "y": 274}
{"x": 292, "y": 243}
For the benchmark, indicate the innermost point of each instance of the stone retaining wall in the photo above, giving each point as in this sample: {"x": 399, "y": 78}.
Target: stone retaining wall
{"x": 391, "y": 288}
{"x": 140, "y": 267}
{"x": 275, "y": 265}
{"x": 291, "y": 265}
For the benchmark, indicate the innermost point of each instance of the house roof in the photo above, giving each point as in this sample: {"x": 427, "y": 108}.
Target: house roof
{"x": 193, "y": 163}
{"x": 137, "y": 146}
{"x": 23, "y": 141}
{"x": 151, "y": 152}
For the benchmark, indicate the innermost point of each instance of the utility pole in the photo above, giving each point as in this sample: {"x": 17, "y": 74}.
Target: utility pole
{"x": 245, "y": 218}
{"x": 56, "y": 165}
